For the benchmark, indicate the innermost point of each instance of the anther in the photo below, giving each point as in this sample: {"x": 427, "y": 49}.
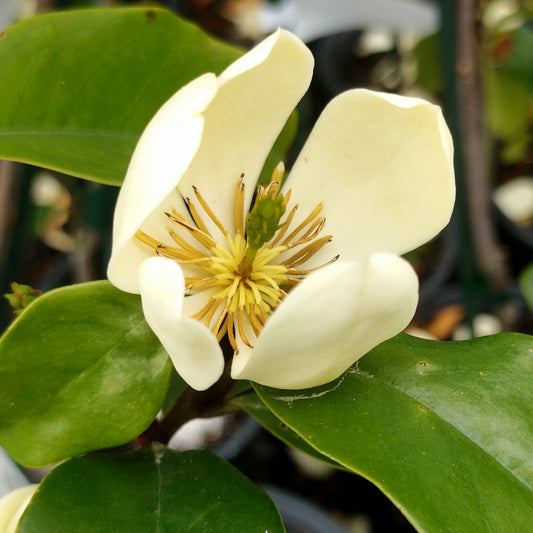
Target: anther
{"x": 238, "y": 207}
{"x": 208, "y": 211}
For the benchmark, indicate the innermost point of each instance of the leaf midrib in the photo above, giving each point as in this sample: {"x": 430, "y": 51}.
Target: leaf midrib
{"x": 72, "y": 133}
{"x": 96, "y": 361}
{"x": 390, "y": 386}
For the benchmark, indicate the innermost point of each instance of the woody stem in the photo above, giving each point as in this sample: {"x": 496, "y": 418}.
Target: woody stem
{"x": 198, "y": 404}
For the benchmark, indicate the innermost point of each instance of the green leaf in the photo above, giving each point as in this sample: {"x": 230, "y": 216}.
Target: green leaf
{"x": 280, "y": 148}
{"x": 507, "y": 103}
{"x": 427, "y": 57}
{"x": 259, "y": 411}
{"x": 153, "y": 489}
{"x": 444, "y": 429}
{"x": 520, "y": 61}
{"x": 80, "y": 370}
{"x": 78, "y": 88}
{"x": 526, "y": 284}
{"x": 176, "y": 388}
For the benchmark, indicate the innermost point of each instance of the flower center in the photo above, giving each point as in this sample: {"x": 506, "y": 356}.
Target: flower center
{"x": 246, "y": 273}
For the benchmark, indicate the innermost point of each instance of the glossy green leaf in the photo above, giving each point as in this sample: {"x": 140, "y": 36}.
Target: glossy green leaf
{"x": 259, "y": 411}
{"x": 150, "y": 490}
{"x": 78, "y": 88}
{"x": 444, "y": 429}
{"x": 176, "y": 388}
{"x": 80, "y": 370}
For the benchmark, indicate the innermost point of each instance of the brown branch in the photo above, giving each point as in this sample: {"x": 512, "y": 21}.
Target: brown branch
{"x": 8, "y": 203}
{"x": 198, "y": 404}
{"x": 490, "y": 258}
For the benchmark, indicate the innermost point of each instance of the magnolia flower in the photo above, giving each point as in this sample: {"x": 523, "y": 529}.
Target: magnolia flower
{"x": 303, "y": 278}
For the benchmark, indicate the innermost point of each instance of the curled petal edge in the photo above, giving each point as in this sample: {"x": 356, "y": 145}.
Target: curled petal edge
{"x": 182, "y": 147}
{"x": 12, "y": 506}
{"x": 154, "y": 170}
{"x": 193, "y": 349}
{"x": 329, "y": 321}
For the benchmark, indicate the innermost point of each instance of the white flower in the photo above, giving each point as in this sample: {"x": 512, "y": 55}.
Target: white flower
{"x": 374, "y": 180}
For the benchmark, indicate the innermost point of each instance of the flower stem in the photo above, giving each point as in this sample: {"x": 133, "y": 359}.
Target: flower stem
{"x": 198, "y": 404}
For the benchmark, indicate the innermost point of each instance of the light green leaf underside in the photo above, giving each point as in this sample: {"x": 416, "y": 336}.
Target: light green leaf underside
{"x": 444, "y": 429}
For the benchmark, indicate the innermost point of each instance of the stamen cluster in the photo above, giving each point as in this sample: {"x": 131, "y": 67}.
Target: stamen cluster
{"x": 246, "y": 273}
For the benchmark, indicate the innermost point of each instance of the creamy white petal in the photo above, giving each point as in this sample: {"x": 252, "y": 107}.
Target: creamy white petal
{"x": 383, "y": 166}
{"x": 256, "y": 95}
{"x": 13, "y": 505}
{"x": 194, "y": 303}
{"x": 207, "y": 135}
{"x": 330, "y": 320}
{"x": 162, "y": 155}
{"x": 194, "y": 350}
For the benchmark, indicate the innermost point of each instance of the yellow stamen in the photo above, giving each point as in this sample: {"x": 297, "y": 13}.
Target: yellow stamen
{"x": 221, "y": 318}
{"x": 307, "y": 252}
{"x": 285, "y": 226}
{"x": 231, "y": 334}
{"x": 306, "y": 272}
{"x": 199, "y": 235}
{"x": 256, "y": 325}
{"x": 242, "y": 333}
{"x": 196, "y": 216}
{"x": 238, "y": 210}
{"x": 223, "y": 330}
{"x": 200, "y": 314}
{"x": 185, "y": 245}
{"x": 211, "y": 312}
{"x": 308, "y": 220}
{"x": 209, "y": 212}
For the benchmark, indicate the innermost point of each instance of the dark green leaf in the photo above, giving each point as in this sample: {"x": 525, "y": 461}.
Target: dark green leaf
{"x": 78, "y": 88}
{"x": 444, "y": 429}
{"x": 175, "y": 389}
{"x": 280, "y": 148}
{"x": 80, "y": 370}
{"x": 150, "y": 490}
{"x": 428, "y": 73}
{"x": 258, "y": 410}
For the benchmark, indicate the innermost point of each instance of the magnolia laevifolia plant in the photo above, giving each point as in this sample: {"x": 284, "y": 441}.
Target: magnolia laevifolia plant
{"x": 303, "y": 277}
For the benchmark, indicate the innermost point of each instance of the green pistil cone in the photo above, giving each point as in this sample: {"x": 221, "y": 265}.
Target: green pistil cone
{"x": 262, "y": 221}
